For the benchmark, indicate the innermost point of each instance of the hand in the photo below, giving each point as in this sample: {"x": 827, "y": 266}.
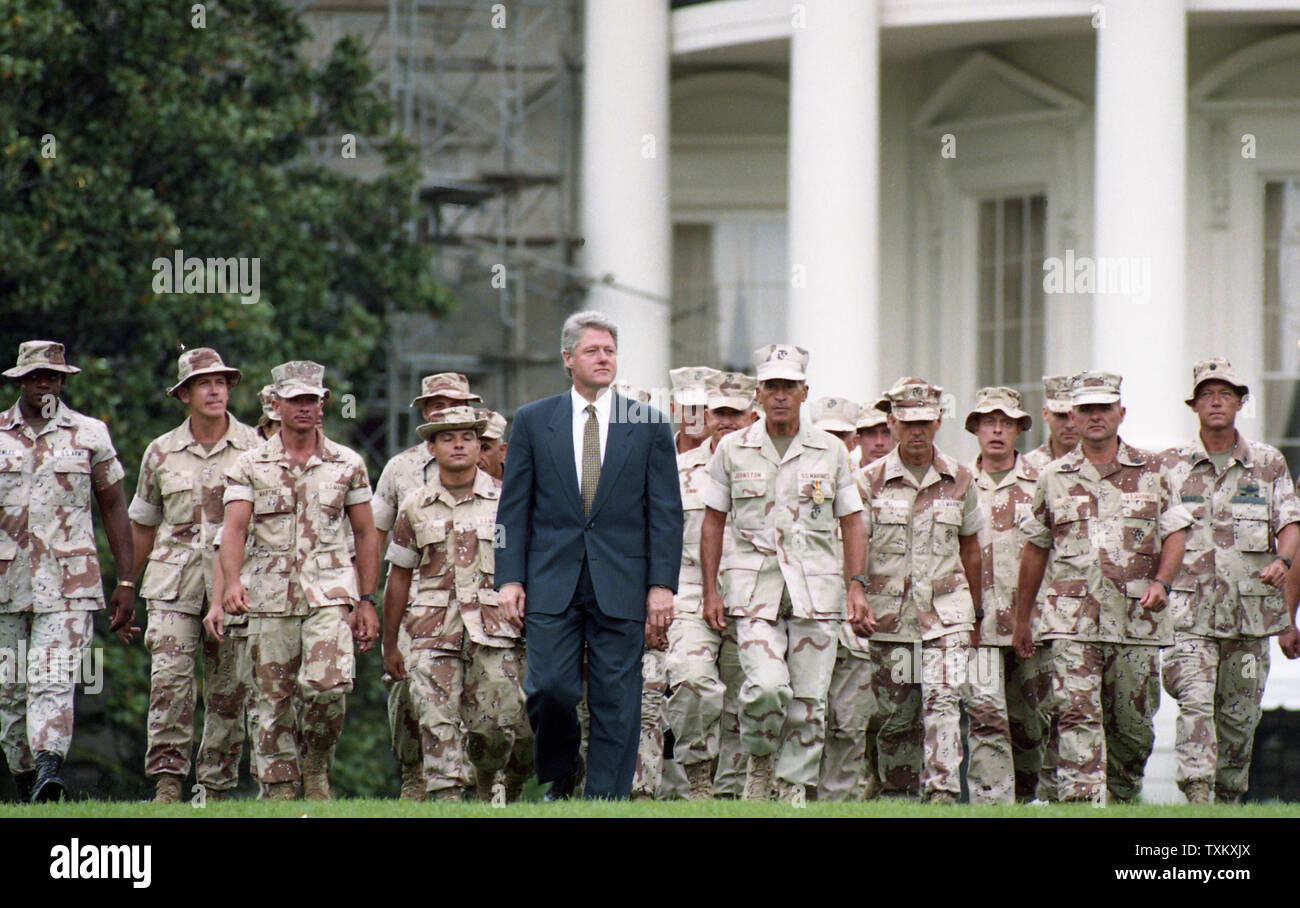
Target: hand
{"x": 394, "y": 664}
{"x": 365, "y": 625}
{"x": 859, "y": 614}
{"x": 235, "y": 601}
{"x": 214, "y": 622}
{"x": 659, "y": 612}
{"x": 1154, "y": 599}
{"x": 1023, "y": 639}
{"x": 511, "y": 602}
{"x": 1275, "y": 573}
{"x": 1289, "y": 640}
{"x": 654, "y": 639}
{"x": 714, "y": 613}
{"x": 123, "y": 604}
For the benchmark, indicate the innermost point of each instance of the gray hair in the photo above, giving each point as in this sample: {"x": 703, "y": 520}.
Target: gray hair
{"x": 576, "y": 323}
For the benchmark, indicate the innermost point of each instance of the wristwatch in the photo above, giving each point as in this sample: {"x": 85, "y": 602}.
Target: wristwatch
{"x": 860, "y": 579}
{"x": 1168, "y": 586}
{"x": 369, "y": 597}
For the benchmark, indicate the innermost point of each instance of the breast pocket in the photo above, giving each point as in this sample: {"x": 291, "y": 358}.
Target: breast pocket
{"x": 816, "y": 501}
{"x": 14, "y": 491}
{"x": 178, "y": 498}
{"x": 71, "y": 480}
{"x": 431, "y": 540}
{"x": 329, "y": 510}
{"x": 273, "y": 519}
{"x": 1071, "y": 523}
{"x": 947, "y": 525}
{"x": 891, "y": 523}
{"x": 1140, "y": 513}
{"x": 484, "y": 530}
{"x": 749, "y": 504}
{"x": 1250, "y": 527}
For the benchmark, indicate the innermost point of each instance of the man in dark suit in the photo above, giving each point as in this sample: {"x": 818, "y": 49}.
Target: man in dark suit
{"x": 592, "y": 519}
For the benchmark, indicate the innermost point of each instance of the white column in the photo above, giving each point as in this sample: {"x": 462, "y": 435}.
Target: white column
{"x": 1140, "y": 214}
{"x": 834, "y": 195}
{"x": 625, "y": 221}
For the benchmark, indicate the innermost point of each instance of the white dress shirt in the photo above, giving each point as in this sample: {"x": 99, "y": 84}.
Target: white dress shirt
{"x": 580, "y": 403}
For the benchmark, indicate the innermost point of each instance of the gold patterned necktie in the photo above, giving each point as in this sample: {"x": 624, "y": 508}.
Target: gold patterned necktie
{"x": 590, "y": 459}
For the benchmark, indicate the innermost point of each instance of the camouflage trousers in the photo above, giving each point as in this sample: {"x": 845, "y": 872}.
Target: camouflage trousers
{"x": 306, "y": 658}
{"x": 787, "y": 666}
{"x": 403, "y": 723}
{"x": 1130, "y": 696}
{"x": 650, "y": 752}
{"x": 704, "y": 678}
{"x": 1218, "y": 683}
{"x": 471, "y": 712}
{"x": 851, "y": 706}
{"x": 990, "y": 774}
{"x": 1074, "y": 706}
{"x": 173, "y": 640}
{"x": 41, "y": 656}
{"x": 1028, "y": 683}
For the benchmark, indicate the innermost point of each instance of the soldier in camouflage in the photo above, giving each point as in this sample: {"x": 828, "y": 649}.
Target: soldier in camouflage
{"x": 849, "y": 759}
{"x": 53, "y": 461}
{"x": 299, "y": 491}
{"x": 1006, "y": 726}
{"x": 466, "y": 661}
{"x": 704, "y": 673}
{"x": 268, "y": 423}
{"x": 786, "y": 486}
{"x": 1108, "y": 520}
{"x": 690, "y": 417}
{"x": 1058, "y": 416}
{"x": 1227, "y": 600}
{"x": 176, "y": 516}
{"x": 492, "y": 457}
{"x": 413, "y": 469}
{"x": 924, "y": 585}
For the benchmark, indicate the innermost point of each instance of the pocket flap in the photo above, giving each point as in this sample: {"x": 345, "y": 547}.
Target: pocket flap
{"x": 484, "y": 527}
{"x": 948, "y": 512}
{"x": 8, "y": 547}
{"x": 748, "y": 488}
{"x": 171, "y": 483}
{"x": 72, "y": 464}
{"x": 430, "y": 532}
{"x": 272, "y": 501}
{"x": 1141, "y": 505}
{"x": 172, "y": 556}
{"x": 1242, "y": 511}
{"x": 1185, "y": 582}
{"x": 1254, "y": 587}
{"x": 1136, "y": 589}
{"x": 11, "y": 463}
{"x": 891, "y": 512}
{"x": 884, "y": 586}
{"x": 746, "y": 561}
{"x": 487, "y": 597}
{"x": 1071, "y": 508}
{"x": 331, "y": 494}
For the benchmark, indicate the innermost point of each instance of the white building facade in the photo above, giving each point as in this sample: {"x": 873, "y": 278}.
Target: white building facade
{"x": 974, "y": 191}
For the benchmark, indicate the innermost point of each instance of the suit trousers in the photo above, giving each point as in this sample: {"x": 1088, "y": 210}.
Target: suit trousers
{"x": 553, "y": 687}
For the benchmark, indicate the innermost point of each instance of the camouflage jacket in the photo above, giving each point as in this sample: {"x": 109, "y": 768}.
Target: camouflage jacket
{"x": 1005, "y": 505}
{"x": 1040, "y": 457}
{"x": 916, "y": 584}
{"x": 1104, "y": 527}
{"x": 181, "y": 492}
{"x": 784, "y": 513}
{"x": 448, "y": 547}
{"x": 48, "y": 561}
{"x": 297, "y": 554}
{"x": 1238, "y": 514}
{"x": 410, "y": 470}
{"x": 693, "y": 474}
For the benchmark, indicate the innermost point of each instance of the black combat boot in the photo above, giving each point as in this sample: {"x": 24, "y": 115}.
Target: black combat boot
{"x": 23, "y": 781}
{"x": 48, "y": 787}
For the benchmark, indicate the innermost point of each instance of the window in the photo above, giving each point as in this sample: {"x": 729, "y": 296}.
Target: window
{"x": 1279, "y": 397}
{"x": 1011, "y": 303}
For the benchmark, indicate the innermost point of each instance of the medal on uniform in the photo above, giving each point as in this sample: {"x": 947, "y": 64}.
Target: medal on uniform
{"x": 818, "y": 499}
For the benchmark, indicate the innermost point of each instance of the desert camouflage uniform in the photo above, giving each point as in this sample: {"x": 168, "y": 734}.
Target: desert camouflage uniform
{"x": 412, "y": 469}
{"x": 1018, "y": 717}
{"x": 1223, "y": 613}
{"x": 301, "y": 586}
{"x": 852, "y": 706}
{"x": 1040, "y": 457}
{"x": 49, "y": 573}
{"x": 918, "y": 590}
{"x": 786, "y": 587}
{"x": 179, "y": 493}
{"x": 1104, "y": 527}
{"x": 467, "y": 662}
{"x": 649, "y": 776}
{"x": 704, "y": 675}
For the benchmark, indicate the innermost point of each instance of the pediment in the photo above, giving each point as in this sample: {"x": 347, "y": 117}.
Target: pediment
{"x": 987, "y": 92}
{"x": 1264, "y": 76}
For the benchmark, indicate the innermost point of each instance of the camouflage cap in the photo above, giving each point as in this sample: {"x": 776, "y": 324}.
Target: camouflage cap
{"x": 1094, "y": 388}
{"x": 731, "y": 391}
{"x": 299, "y": 376}
{"x": 452, "y": 418}
{"x": 631, "y": 392}
{"x": 1216, "y": 368}
{"x": 1056, "y": 393}
{"x": 872, "y": 413}
{"x": 834, "y": 414}
{"x": 690, "y": 385}
{"x": 781, "y": 361}
{"x": 452, "y": 385}
{"x": 914, "y": 400}
{"x": 201, "y": 361}
{"x": 998, "y": 400}
{"x": 34, "y": 355}
{"x": 266, "y": 397}
{"x": 496, "y": 424}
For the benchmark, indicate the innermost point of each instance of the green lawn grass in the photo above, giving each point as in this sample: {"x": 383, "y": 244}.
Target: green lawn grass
{"x": 673, "y": 809}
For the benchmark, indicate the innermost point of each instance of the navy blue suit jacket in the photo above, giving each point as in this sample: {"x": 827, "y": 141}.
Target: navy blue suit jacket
{"x": 632, "y": 539}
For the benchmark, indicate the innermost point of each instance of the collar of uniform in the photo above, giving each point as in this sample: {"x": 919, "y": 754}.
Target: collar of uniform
{"x": 1129, "y": 456}
{"x": 1019, "y": 470}
{"x": 13, "y": 417}
{"x": 273, "y": 450}
{"x": 182, "y": 437}
{"x": 700, "y": 454}
{"x": 1240, "y": 451}
{"x": 484, "y": 487}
